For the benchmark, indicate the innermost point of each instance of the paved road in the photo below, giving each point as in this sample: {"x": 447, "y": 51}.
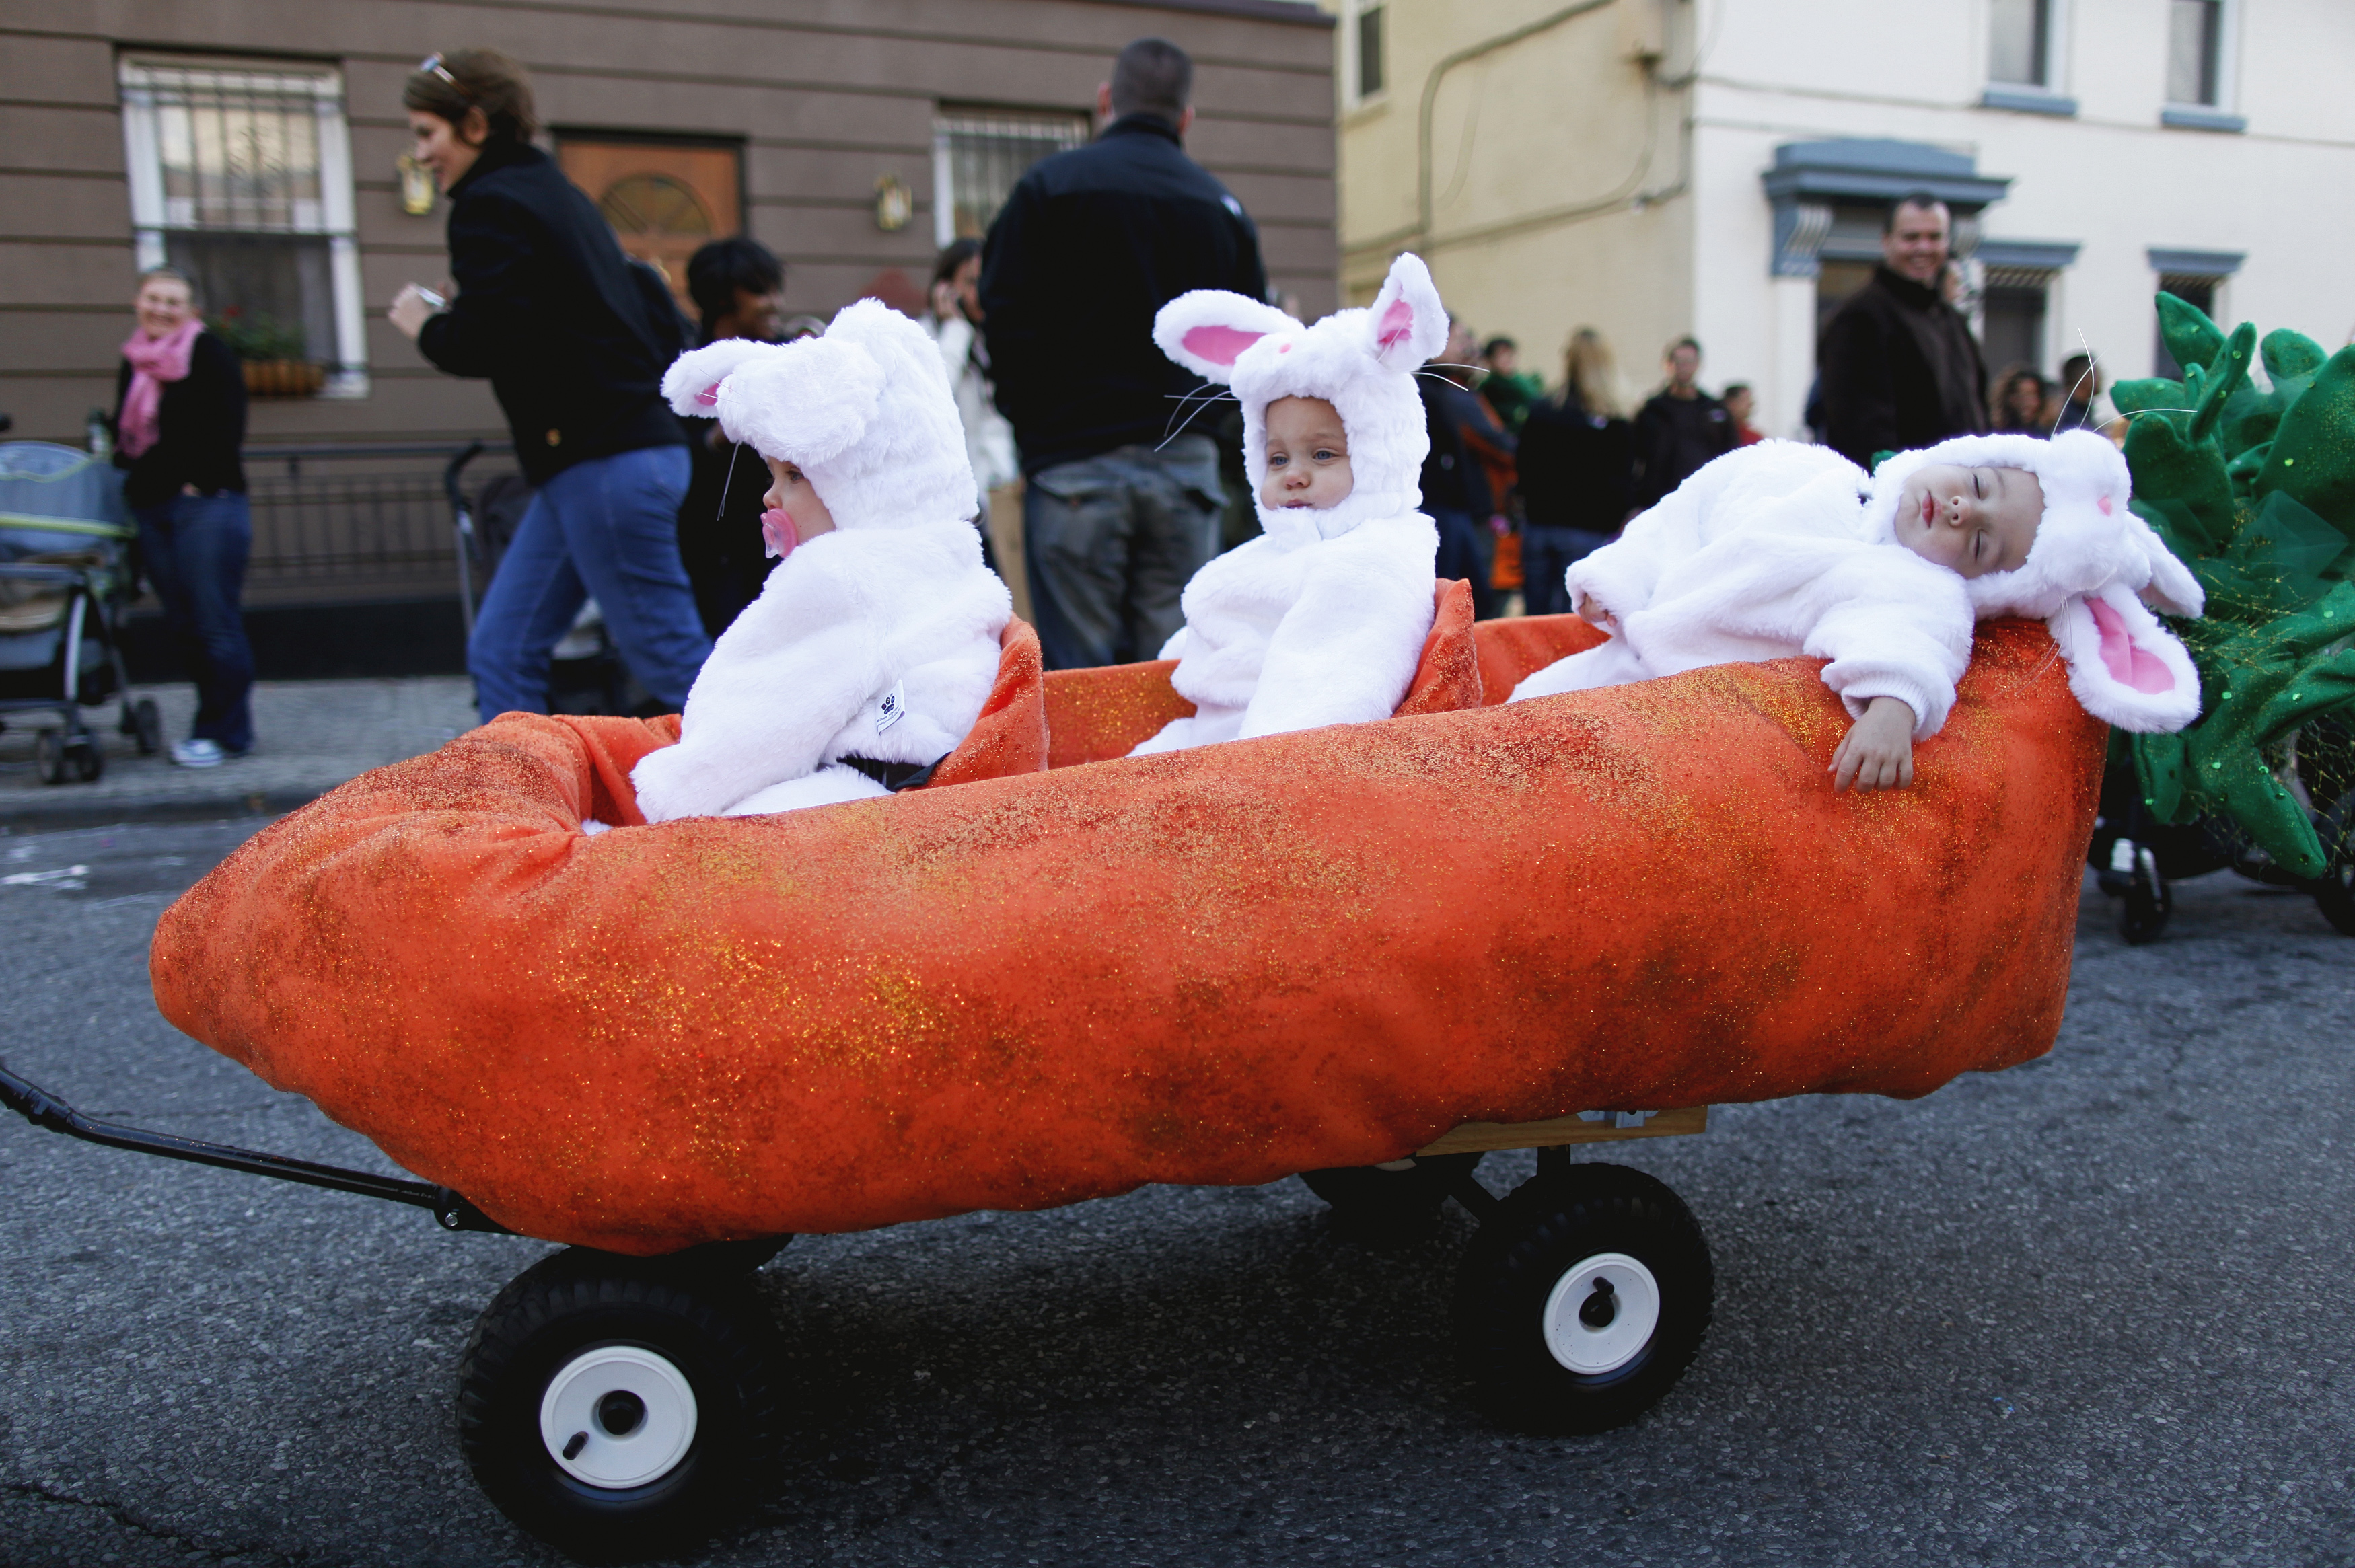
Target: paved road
{"x": 2094, "y": 1310}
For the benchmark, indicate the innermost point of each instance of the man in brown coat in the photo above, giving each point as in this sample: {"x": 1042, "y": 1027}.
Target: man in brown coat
{"x": 1899, "y": 365}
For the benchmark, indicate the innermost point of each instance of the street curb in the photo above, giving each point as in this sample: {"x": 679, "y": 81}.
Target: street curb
{"x": 68, "y": 812}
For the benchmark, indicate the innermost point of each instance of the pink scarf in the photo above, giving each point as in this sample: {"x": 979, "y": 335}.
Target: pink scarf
{"x": 154, "y": 361}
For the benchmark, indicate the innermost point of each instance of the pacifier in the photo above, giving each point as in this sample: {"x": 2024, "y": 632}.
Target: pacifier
{"x": 777, "y": 532}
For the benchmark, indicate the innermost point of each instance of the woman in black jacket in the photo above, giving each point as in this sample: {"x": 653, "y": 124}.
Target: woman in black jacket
{"x": 180, "y": 419}
{"x": 574, "y": 338}
{"x": 1577, "y": 468}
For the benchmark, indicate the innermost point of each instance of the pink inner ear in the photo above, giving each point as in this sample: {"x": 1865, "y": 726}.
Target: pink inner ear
{"x": 1219, "y": 345}
{"x": 2128, "y": 665}
{"x": 709, "y": 396}
{"x": 1395, "y": 327}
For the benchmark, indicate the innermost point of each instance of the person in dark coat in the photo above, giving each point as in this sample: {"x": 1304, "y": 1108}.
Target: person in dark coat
{"x": 734, "y": 283}
{"x": 179, "y": 421}
{"x": 1118, "y": 512}
{"x": 1680, "y": 429}
{"x": 1900, "y": 368}
{"x": 574, "y": 338}
{"x": 1577, "y": 467}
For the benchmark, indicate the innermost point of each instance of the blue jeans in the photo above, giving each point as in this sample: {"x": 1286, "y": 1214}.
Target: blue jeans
{"x": 1466, "y": 550}
{"x": 606, "y": 527}
{"x": 1111, "y": 542}
{"x": 194, "y": 549}
{"x": 1546, "y": 553}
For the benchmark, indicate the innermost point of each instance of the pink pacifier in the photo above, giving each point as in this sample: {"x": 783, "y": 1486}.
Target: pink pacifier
{"x": 777, "y": 531}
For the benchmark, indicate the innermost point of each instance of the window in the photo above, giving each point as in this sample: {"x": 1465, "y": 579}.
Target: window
{"x": 2197, "y": 290}
{"x": 1371, "y": 78}
{"x": 978, "y": 156}
{"x": 240, "y": 176}
{"x": 2195, "y": 37}
{"x": 2012, "y": 327}
{"x": 2020, "y": 42}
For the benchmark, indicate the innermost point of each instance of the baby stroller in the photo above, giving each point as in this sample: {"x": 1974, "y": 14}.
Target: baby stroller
{"x": 65, "y": 581}
{"x": 585, "y": 673}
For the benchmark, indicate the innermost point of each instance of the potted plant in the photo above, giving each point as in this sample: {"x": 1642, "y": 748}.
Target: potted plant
{"x": 272, "y": 351}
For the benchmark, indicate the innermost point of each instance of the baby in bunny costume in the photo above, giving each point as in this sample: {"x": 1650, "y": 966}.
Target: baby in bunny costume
{"x": 874, "y": 645}
{"x": 1781, "y": 549}
{"x": 1321, "y": 619}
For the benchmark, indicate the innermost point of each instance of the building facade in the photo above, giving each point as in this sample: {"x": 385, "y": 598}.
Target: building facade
{"x": 1658, "y": 167}
{"x": 261, "y": 145}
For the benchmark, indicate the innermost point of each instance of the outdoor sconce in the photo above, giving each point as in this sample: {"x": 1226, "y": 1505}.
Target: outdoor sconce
{"x": 416, "y": 187}
{"x": 895, "y": 204}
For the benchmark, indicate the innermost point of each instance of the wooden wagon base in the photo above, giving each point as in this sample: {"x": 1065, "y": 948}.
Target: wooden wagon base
{"x": 1586, "y": 1127}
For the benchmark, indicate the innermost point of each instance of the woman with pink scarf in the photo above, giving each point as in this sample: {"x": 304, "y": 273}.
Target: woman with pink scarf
{"x": 179, "y": 420}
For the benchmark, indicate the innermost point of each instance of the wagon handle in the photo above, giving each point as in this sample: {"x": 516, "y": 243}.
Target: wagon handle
{"x": 44, "y": 1110}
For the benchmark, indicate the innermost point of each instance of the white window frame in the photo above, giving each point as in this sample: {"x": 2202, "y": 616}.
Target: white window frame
{"x": 2059, "y": 26}
{"x": 334, "y": 218}
{"x": 1351, "y": 98}
{"x": 2227, "y": 63}
{"x": 946, "y": 121}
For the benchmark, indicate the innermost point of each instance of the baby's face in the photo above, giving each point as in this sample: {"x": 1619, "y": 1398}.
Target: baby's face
{"x": 792, "y": 497}
{"x": 1307, "y": 454}
{"x": 1971, "y": 521}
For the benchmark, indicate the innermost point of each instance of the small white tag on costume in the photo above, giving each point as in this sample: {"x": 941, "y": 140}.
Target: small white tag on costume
{"x": 894, "y": 708}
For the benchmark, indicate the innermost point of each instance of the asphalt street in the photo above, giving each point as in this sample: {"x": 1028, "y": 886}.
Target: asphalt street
{"x": 2094, "y": 1309}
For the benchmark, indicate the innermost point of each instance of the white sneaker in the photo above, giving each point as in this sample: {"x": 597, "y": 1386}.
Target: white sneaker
{"x": 198, "y": 753}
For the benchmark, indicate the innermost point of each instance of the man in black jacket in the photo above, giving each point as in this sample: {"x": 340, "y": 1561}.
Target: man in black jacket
{"x": 1117, "y": 513}
{"x": 574, "y": 338}
{"x": 1680, "y": 429}
{"x": 1900, "y": 367}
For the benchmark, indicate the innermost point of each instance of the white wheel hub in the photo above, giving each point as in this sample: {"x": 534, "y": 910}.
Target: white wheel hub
{"x": 617, "y": 1415}
{"x": 1601, "y": 1313}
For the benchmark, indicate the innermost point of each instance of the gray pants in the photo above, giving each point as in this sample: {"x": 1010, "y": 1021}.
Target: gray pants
{"x": 1111, "y": 541}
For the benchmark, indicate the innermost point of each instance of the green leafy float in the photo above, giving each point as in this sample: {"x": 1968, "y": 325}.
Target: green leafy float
{"x": 2256, "y": 492}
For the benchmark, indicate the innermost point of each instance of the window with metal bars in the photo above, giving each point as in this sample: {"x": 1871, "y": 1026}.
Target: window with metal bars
{"x": 241, "y": 176}
{"x": 977, "y": 156}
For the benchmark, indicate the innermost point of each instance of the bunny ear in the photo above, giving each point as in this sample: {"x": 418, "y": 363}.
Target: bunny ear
{"x": 1408, "y": 323}
{"x": 1207, "y": 330}
{"x": 2179, "y": 592}
{"x": 2126, "y": 668}
{"x": 691, "y": 385}
{"x": 804, "y": 403}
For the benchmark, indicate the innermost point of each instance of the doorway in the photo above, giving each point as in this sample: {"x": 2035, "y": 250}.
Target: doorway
{"x": 665, "y": 199}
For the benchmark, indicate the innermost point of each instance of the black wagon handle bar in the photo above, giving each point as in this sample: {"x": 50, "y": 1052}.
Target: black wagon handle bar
{"x": 44, "y": 1109}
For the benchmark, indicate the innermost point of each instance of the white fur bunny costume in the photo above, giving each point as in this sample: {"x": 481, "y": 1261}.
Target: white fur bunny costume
{"x": 878, "y": 640}
{"x": 1779, "y": 549}
{"x": 1321, "y": 619}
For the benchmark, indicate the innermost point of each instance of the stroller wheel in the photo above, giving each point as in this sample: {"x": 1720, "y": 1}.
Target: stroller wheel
{"x": 613, "y": 1409}
{"x": 2334, "y": 894}
{"x": 1583, "y": 1299}
{"x": 89, "y": 758}
{"x": 2149, "y": 901}
{"x": 145, "y": 726}
{"x": 50, "y": 756}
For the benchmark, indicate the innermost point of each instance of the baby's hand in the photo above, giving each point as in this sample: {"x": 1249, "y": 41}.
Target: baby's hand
{"x": 1594, "y": 615}
{"x": 1877, "y": 753}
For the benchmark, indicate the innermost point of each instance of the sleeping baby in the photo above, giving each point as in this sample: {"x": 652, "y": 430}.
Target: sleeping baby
{"x": 1780, "y": 549}
{"x": 1321, "y": 619}
{"x": 873, "y": 646}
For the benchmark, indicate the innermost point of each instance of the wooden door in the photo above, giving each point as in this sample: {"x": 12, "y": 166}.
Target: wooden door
{"x": 665, "y": 201}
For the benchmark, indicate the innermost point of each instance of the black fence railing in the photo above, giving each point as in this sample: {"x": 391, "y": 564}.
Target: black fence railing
{"x": 348, "y": 520}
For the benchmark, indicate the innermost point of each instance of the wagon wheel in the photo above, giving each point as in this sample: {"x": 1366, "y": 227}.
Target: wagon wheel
{"x": 1583, "y": 1299}
{"x": 50, "y": 756}
{"x": 2149, "y": 901}
{"x": 1374, "y": 1198}
{"x": 613, "y": 1408}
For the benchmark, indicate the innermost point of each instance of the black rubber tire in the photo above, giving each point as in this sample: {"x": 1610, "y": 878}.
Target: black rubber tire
{"x": 2334, "y": 894}
{"x": 1543, "y": 1231}
{"x": 89, "y": 758}
{"x": 1368, "y": 1196}
{"x": 50, "y": 756}
{"x": 2148, "y": 902}
{"x": 146, "y": 726}
{"x": 706, "y": 1322}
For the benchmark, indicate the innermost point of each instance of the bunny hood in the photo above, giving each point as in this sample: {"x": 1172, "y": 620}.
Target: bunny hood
{"x": 865, "y": 410}
{"x": 1360, "y": 361}
{"x": 2092, "y": 559}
